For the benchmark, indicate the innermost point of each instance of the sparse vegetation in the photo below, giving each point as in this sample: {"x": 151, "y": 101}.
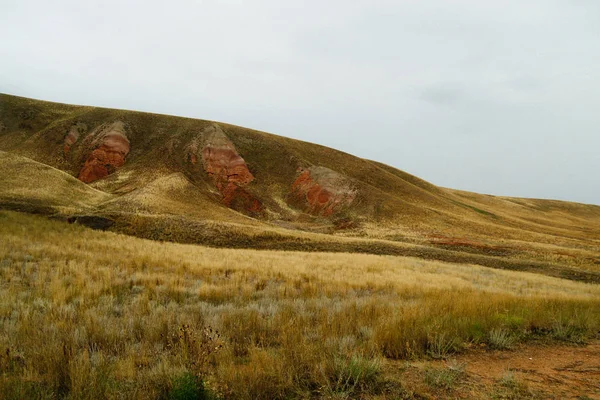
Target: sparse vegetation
{"x": 511, "y": 388}
{"x": 97, "y": 314}
{"x": 444, "y": 378}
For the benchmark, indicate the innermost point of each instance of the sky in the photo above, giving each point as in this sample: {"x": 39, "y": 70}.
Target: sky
{"x": 496, "y": 97}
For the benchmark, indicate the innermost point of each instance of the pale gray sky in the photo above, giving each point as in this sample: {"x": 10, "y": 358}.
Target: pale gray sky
{"x": 499, "y": 97}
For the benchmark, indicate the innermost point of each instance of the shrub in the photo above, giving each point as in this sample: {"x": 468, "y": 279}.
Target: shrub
{"x": 187, "y": 387}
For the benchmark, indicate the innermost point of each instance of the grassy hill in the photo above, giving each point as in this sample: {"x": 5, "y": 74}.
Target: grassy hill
{"x": 194, "y": 181}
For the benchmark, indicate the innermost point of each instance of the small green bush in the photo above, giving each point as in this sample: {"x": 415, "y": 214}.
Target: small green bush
{"x": 187, "y": 387}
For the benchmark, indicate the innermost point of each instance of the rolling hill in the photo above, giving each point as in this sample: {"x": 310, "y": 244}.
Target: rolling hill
{"x": 194, "y": 181}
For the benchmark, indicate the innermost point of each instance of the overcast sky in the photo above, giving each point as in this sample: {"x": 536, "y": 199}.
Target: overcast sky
{"x": 498, "y": 97}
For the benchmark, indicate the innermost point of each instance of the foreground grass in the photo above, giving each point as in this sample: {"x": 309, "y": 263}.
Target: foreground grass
{"x": 88, "y": 314}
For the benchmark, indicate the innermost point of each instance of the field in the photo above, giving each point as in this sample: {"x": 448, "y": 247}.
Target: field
{"x": 89, "y": 314}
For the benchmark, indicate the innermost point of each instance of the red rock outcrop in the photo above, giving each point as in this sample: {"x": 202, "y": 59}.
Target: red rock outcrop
{"x": 223, "y": 163}
{"x": 227, "y": 169}
{"x": 110, "y": 148}
{"x": 323, "y": 191}
{"x": 72, "y": 137}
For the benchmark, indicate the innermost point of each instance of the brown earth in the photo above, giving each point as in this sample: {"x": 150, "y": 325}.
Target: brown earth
{"x": 323, "y": 191}
{"x": 536, "y": 371}
{"x": 111, "y": 147}
{"x": 470, "y": 246}
{"x": 240, "y": 199}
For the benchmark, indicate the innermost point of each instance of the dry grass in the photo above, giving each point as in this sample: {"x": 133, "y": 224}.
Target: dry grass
{"x": 37, "y": 187}
{"x": 168, "y": 208}
{"x": 89, "y": 314}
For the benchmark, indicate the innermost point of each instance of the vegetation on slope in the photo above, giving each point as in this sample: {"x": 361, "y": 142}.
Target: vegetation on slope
{"x": 35, "y": 187}
{"x": 89, "y": 314}
{"x": 165, "y": 191}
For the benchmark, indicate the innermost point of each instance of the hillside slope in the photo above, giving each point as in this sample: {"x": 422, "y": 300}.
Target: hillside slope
{"x": 188, "y": 180}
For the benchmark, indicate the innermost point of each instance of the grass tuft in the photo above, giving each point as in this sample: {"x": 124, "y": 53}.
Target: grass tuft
{"x": 501, "y": 339}
{"x": 444, "y": 378}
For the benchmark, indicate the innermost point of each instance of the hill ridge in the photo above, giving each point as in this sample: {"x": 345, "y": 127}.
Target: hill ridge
{"x": 285, "y": 187}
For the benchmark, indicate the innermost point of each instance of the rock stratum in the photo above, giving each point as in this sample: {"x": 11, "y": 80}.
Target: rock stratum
{"x": 109, "y": 148}
{"x": 323, "y": 191}
{"x": 225, "y": 168}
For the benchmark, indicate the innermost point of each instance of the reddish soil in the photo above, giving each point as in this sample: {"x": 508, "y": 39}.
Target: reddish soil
{"x": 110, "y": 150}
{"x": 72, "y": 137}
{"x": 531, "y": 371}
{"x": 239, "y": 199}
{"x": 462, "y": 244}
{"x": 227, "y": 169}
{"x": 225, "y": 166}
{"x": 562, "y": 372}
{"x": 322, "y": 191}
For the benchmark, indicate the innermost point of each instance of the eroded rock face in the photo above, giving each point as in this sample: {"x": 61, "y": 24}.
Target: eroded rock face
{"x": 110, "y": 148}
{"x": 72, "y": 137}
{"x": 222, "y": 162}
{"x": 227, "y": 169}
{"x": 323, "y": 191}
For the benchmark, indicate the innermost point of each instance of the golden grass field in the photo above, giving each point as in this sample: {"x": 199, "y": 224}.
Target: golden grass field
{"x": 87, "y": 314}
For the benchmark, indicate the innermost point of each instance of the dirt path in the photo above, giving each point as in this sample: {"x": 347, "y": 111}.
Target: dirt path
{"x": 531, "y": 371}
{"x": 562, "y": 372}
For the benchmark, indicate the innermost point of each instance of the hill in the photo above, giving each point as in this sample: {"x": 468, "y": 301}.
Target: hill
{"x": 194, "y": 181}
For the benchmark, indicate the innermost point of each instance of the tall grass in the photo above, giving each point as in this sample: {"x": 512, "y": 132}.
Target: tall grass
{"x": 87, "y": 314}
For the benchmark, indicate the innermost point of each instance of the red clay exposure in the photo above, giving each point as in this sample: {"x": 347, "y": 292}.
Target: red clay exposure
{"x": 224, "y": 165}
{"x": 110, "y": 150}
{"x": 323, "y": 191}
{"x": 227, "y": 169}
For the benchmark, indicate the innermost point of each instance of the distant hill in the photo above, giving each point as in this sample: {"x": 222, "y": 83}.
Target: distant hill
{"x": 195, "y": 181}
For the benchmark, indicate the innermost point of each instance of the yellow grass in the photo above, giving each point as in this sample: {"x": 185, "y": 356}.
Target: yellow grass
{"x": 26, "y": 182}
{"x": 89, "y": 314}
